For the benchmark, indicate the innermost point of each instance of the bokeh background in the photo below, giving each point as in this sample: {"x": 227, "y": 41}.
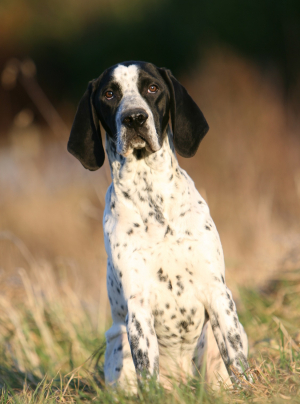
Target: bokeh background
{"x": 240, "y": 61}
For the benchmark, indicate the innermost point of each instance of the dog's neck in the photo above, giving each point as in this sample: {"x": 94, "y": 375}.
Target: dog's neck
{"x": 149, "y": 182}
{"x": 126, "y": 168}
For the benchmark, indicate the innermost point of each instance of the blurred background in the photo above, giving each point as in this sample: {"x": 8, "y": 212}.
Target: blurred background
{"x": 240, "y": 61}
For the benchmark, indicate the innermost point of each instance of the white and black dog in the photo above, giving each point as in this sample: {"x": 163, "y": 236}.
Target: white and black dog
{"x": 165, "y": 268}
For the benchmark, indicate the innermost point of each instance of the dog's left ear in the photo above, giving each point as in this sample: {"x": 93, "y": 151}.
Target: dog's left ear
{"x": 85, "y": 141}
{"x": 188, "y": 123}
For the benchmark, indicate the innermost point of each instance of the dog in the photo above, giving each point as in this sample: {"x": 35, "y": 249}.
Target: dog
{"x": 169, "y": 302}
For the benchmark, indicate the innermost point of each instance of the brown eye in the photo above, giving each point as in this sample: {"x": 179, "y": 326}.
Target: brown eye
{"x": 109, "y": 95}
{"x": 152, "y": 89}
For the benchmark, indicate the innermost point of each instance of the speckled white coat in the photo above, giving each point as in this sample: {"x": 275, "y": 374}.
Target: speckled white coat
{"x": 165, "y": 272}
{"x": 165, "y": 266}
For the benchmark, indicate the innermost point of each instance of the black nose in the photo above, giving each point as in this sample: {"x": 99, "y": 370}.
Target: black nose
{"x": 134, "y": 118}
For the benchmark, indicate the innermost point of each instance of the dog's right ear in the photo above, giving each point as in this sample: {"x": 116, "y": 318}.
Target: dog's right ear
{"x": 85, "y": 141}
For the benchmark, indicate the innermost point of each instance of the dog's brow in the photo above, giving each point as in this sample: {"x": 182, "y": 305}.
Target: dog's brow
{"x": 126, "y": 77}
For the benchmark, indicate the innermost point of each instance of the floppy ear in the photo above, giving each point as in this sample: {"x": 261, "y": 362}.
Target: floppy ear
{"x": 188, "y": 123}
{"x": 85, "y": 141}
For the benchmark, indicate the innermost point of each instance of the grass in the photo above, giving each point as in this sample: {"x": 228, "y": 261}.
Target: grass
{"x": 51, "y": 351}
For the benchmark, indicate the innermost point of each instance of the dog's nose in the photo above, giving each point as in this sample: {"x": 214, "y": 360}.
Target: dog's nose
{"x": 134, "y": 118}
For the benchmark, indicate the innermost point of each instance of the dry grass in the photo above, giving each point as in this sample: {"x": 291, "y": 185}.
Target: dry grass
{"x": 51, "y": 346}
{"x": 53, "y": 303}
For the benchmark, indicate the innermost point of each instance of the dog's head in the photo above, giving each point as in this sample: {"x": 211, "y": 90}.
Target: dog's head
{"x": 133, "y": 100}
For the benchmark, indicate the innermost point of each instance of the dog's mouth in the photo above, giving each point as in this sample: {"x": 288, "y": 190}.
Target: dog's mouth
{"x": 137, "y": 141}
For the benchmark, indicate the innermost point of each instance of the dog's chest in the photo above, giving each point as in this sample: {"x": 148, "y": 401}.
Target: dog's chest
{"x": 178, "y": 314}
{"x": 155, "y": 203}
{"x": 154, "y": 225}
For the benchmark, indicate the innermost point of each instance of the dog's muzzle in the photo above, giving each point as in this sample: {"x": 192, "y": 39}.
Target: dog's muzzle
{"x": 137, "y": 131}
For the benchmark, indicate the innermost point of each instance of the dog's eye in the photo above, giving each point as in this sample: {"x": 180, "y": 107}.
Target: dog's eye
{"x": 152, "y": 89}
{"x": 109, "y": 95}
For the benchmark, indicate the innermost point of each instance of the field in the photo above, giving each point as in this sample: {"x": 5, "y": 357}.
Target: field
{"x": 53, "y": 302}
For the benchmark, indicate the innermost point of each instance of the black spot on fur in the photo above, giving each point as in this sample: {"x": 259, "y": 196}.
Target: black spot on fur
{"x": 127, "y": 196}
{"x": 136, "y": 225}
{"x": 184, "y": 325}
{"x": 141, "y": 360}
{"x": 130, "y": 231}
{"x": 170, "y": 285}
{"x": 169, "y": 230}
{"x": 207, "y": 228}
{"x": 214, "y": 324}
{"x": 141, "y": 198}
{"x": 161, "y": 277}
{"x": 235, "y": 341}
{"x": 180, "y": 285}
{"x": 224, "y": 353}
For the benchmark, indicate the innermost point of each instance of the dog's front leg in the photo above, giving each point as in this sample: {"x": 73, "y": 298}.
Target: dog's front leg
{"x": 227, "y": 330}
{"x": 142, "y": 337}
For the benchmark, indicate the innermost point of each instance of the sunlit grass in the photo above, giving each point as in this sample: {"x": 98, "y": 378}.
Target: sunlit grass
{"x": 50, "y": 351}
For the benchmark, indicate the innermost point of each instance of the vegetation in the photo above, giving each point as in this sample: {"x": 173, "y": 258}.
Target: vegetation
{"x": 50, "y": 350}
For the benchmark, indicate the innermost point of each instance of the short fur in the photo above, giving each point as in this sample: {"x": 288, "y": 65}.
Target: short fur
{"x": 165, "y": 267}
